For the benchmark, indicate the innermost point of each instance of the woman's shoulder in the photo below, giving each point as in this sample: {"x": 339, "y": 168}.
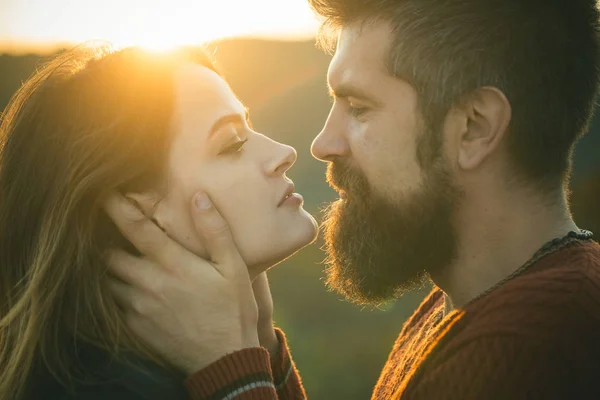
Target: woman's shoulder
{"x": 106, "y": 379}
{"x": 85, "y": 392}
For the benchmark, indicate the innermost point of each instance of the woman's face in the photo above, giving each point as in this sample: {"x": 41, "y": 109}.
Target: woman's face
{"x": 242, "y": 171}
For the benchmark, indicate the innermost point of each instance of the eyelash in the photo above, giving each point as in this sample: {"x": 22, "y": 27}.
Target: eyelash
{"x": 357, "y": 111}
{"x": 235, "y": 148}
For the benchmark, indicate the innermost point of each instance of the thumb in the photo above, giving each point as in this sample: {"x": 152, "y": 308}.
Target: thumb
{"x": 215, "y": 232}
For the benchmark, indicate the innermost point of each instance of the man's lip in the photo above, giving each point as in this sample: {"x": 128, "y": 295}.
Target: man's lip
{"x": 288, "y": 191}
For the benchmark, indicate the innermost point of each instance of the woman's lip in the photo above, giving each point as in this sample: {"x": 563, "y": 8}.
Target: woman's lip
{"x": 289, "y": 190}
{"x": 294, "y": 199}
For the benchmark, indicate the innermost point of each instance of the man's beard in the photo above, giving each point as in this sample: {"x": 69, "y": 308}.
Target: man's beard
{"x": 378, "y": 248}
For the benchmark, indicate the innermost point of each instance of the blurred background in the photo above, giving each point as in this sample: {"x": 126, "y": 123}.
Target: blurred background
{"x": 266, "y": 50}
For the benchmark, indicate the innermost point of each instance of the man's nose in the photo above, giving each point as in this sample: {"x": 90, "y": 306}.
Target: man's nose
{"x": 331, "y": 142}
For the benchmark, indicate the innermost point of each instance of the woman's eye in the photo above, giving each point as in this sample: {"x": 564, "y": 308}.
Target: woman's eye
{"x": 356, "y": 111}
{"x": 236, "y": 147}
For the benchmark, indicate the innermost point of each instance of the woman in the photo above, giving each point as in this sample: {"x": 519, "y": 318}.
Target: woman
{"x": 156, "y": 129}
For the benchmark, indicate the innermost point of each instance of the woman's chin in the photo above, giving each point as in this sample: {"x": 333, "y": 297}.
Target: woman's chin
{"x": 257, "y": 268}
{"x": 306, "y": 236}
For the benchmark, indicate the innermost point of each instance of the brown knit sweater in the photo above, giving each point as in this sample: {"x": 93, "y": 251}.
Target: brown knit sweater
{"x": 535, "y": 337}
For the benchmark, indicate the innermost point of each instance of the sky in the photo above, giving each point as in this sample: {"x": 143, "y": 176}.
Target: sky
{"x": 156, "y": 24}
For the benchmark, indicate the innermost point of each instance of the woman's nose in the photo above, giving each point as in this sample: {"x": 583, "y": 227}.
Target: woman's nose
{"x": 285, "y": 157}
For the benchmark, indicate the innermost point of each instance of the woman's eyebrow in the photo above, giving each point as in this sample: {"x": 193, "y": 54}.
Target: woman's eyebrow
{"x": 234, "y": 118}
{"x": 248, "y": 121}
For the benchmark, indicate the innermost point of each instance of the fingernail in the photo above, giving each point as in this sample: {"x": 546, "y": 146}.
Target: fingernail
{"x": 202, "y": 201}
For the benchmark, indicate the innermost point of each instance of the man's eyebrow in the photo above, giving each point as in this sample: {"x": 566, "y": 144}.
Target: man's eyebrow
{"x": 234, "y": 118}
{"x": 345, "y": 90}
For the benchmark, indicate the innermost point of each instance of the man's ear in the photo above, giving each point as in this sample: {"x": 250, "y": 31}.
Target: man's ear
{"x": 148, "y": 203}
{"x": 488, "y": 114}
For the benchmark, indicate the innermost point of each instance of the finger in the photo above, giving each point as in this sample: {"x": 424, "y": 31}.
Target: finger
{"x": 262, "y": 295}
{"x": 124, "y": 295}
{"x": 148, "y": 238}
{"x": 217, "y": 236}
{"x": 260, "y": 282}
{"x": 135, "y": 271}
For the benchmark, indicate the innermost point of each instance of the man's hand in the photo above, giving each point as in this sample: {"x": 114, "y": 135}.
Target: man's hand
{"x": 190, "y": 310}
{"x": 266, "y": 333}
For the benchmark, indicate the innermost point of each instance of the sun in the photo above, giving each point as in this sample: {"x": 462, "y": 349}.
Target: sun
{"x": 165, "y": 26}
{"x": 161, "y": 44}
{"x": 167, "y": 38}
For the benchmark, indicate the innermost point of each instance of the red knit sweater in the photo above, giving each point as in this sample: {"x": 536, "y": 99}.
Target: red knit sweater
{"x": 535, "y": 337}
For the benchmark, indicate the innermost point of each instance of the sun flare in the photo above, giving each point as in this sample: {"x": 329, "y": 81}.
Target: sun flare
{"x": 158, "y": 43}
{"x": 153, "y": 24}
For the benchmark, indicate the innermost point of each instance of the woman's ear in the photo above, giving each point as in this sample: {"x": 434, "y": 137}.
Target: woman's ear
{"x": 148, "y": 203}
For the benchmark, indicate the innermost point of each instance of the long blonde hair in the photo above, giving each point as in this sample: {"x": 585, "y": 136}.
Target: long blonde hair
{"x": 89, "y": 122}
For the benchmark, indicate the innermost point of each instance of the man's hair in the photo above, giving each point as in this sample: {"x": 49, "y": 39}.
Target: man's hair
{"x": 543, "y": 55}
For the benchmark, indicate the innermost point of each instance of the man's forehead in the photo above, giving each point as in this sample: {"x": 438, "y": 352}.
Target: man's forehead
{"x": 360, "y": 54}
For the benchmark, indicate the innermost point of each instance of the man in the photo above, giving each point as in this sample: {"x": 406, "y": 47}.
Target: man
{"x": 449, "y": 142}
